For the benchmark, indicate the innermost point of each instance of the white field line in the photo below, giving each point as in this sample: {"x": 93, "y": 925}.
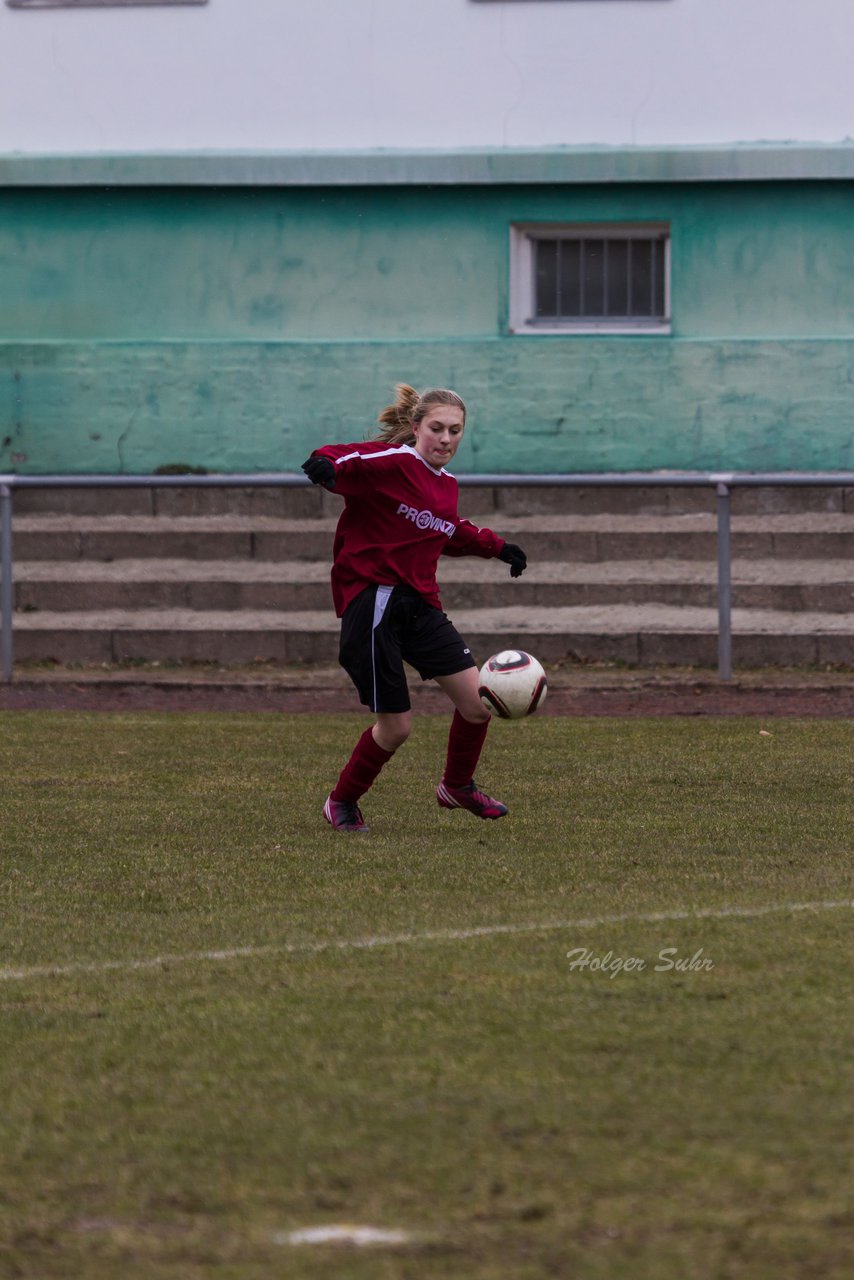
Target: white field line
{"x": 408, "y": 939}
{"x": 345, "y": 1233}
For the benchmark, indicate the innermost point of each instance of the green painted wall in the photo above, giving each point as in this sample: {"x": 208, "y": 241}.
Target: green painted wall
{"x": 234, "y": 328}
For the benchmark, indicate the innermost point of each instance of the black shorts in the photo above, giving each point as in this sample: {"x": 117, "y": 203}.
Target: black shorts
{"x": 387, "y": 626}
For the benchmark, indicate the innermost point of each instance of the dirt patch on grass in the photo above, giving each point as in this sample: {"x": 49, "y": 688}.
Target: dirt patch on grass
{"x": 583, "y": 691}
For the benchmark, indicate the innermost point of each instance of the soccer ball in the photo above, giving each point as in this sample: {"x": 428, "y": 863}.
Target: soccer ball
{"x": 512, "y": 684}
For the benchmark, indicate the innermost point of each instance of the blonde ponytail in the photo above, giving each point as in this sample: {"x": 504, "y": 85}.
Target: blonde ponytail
{"x": 409, "y": 408}
{"x": 397, "y": 419}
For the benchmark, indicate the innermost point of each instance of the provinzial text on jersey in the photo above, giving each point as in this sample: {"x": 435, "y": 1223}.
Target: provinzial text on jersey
{"x": 425, "y": 519}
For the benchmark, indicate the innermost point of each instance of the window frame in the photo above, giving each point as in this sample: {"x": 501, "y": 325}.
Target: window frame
{"x": 522, "y": 308}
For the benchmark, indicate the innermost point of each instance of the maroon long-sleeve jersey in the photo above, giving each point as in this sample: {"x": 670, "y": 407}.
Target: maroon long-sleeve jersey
{"x": 400, "y": 514}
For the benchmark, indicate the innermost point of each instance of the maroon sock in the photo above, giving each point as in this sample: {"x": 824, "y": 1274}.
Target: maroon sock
{"x": 361, "y": 769}
{"x": 465, "y": 743}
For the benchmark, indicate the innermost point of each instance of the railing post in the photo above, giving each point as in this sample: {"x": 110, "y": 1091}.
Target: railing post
{"x": 6, "y": 585}
{"x": 724, "y": 583}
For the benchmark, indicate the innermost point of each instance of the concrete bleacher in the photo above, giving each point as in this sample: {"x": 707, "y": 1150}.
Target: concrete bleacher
{"x": 237, "y": 575}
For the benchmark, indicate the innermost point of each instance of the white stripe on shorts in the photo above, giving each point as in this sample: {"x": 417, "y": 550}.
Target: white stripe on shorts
{"x": 380, "y": 601}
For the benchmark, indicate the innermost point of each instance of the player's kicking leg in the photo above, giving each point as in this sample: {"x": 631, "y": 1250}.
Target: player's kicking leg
{"x": 458, "y": 789}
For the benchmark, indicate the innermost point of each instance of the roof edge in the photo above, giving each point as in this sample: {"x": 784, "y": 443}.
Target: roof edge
{"x": 741, "y": 162}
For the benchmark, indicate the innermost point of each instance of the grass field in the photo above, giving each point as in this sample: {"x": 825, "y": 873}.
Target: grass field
{"x": 222, "y": 1023}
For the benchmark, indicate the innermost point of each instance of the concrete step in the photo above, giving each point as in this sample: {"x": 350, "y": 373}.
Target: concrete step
{"x": 116, "y": 537}
{"x": 589, "y": 538}
{"x": 817, "y": 586}
{"x": 232, "y": 586}
{"x": 305, "y": 500}
{"x": 640, "y": 634}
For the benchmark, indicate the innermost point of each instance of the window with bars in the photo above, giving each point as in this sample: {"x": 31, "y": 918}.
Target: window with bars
{"x": 588, "y": 278}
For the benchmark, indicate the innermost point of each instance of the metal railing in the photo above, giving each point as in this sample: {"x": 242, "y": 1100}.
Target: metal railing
{"x": 722, "y": 482}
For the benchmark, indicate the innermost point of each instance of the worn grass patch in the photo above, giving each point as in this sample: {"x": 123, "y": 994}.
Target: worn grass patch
{"x": 515, "y": 1114}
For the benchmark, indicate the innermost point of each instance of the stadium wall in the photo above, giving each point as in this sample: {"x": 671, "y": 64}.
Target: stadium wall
{"x": 232, "y": 314}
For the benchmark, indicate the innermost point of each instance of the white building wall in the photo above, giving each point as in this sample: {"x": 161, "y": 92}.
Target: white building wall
{"x": 355, "y": 74}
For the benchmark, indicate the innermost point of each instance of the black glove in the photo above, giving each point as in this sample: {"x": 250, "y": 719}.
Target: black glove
{"x": 320, "y": 471}
{"x": 515, "y": 557}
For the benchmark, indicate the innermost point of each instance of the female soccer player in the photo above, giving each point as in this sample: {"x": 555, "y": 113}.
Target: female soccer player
{"x": 400, "y": 515}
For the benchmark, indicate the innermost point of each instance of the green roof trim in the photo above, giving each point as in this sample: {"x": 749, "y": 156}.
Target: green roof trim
{"x": 742, "y": 162}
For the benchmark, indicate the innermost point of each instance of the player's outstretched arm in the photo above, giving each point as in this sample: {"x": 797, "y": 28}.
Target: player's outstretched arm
{"x": 469, "y": 540}
{"x": 353, "y": 469}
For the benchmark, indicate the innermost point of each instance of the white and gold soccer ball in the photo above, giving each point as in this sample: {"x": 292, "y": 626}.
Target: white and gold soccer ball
{"x": 512, "y": 684}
